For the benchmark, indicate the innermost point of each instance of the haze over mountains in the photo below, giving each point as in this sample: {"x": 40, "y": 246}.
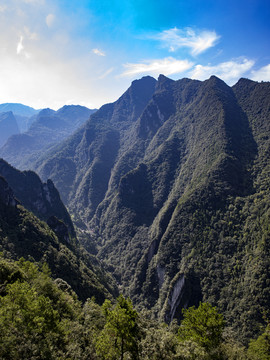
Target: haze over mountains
{"x": 48, "y": 127}
{"x": 22, "y": 113}
{"x": 171, "y": 185}
{"x": 8, "y": 126}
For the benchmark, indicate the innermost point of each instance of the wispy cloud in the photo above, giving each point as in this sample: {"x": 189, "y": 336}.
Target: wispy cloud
{"x": 198, "y": 42}
{"x": 167, "y": 66}
{"x": 229, "y": 71}
{"x": 106, "y": 73}
{"x": 50, "y": 18}
{"x": 21, "y": 50}
{"x": 20, "y": 46}
{"x": 263, "y": 74}
{"x": 98, "y": 52}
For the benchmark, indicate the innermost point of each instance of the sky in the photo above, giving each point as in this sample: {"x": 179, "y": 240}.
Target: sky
{"x": 87, "y": 52}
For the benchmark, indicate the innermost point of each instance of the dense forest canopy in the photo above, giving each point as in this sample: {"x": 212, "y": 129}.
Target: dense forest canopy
{"x": 41, "y": 318}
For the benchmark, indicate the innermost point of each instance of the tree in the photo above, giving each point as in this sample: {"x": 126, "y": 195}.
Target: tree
{"x": 28, "y": 323}
{"x": 259, "y": 349}
{"x": 121, "y": 332}
{"x": 203, "y": 326}
{"x": 159, "y": 342}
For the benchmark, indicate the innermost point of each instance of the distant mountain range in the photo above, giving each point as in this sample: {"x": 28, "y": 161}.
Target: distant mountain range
{"x": 170, "y": 186}
{"x": 22, "y": 114}
{"x": 48, "y": 127}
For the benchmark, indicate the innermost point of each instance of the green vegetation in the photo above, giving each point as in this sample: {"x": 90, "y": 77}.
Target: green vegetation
{"x": 41, "y": 318}
{"x": 40, "y": 198}
{"x": 203, "y": 325}
{"x": 22, "y": 234}
{"x": 121, "y": 331}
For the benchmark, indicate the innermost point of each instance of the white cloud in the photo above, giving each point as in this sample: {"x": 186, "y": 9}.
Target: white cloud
{"x": 50, "y": 20}
{"x": 263, "y": 74}
{"x": 167, "y": 66}
{"x": 106, "y": 73}
{"x": 2, "y": 8}
{"x": 99, "y": 52}
{"x": 20, "y": 46}
{"x": 229, "y": 71}
{"x": 198, "y": 42}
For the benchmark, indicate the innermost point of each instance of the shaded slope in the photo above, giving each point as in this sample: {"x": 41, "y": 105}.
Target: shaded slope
{"x": 82, "y": 166}
{"x": 23, "y": 234}
{"x": 40, "y": 198}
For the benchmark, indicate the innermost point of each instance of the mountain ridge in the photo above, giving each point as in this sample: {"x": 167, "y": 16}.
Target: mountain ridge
{"x": 48, "y": 127}
{"x": 172, "y": 185}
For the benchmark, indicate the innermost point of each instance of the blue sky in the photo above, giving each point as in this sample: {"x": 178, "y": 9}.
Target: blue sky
{"x": 56, "y": 52}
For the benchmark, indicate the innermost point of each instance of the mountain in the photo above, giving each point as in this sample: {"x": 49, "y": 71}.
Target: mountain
{"x": 40, "y": 198}
{"x": 8, "y": 126}
{"x": 172, "y": 182}
{"x": 48, "y": 128}
{"x": 23, "y": 234}
{"x": 22, "y": 114}
{"x": 18, "y": 109}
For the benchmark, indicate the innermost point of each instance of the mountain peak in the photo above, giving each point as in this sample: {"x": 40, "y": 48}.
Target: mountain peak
{"x": 163, "y": 82}
{"x": 244, "y": 83}
{"x": 144, "y": 79}
{"x": 146, "y": 82}
{"x": 46, "y": 112}
{"x": 141, "y": 89}
{"x": 215, "y": 80}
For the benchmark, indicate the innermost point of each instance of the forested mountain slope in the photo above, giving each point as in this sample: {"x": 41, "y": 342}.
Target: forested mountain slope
{"x": 172, "y": 181}
{"x": 22, "y": 234}
{"x": 48, "y": 128}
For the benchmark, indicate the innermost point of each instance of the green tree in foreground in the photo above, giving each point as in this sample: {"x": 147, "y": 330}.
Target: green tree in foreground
{"x": 37, "y": 319}
{"x": 259, "y": 349}
{"x": 119, "y": 338}
{"x": 202, "y": 326}
{"x": 28, "y": 323}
